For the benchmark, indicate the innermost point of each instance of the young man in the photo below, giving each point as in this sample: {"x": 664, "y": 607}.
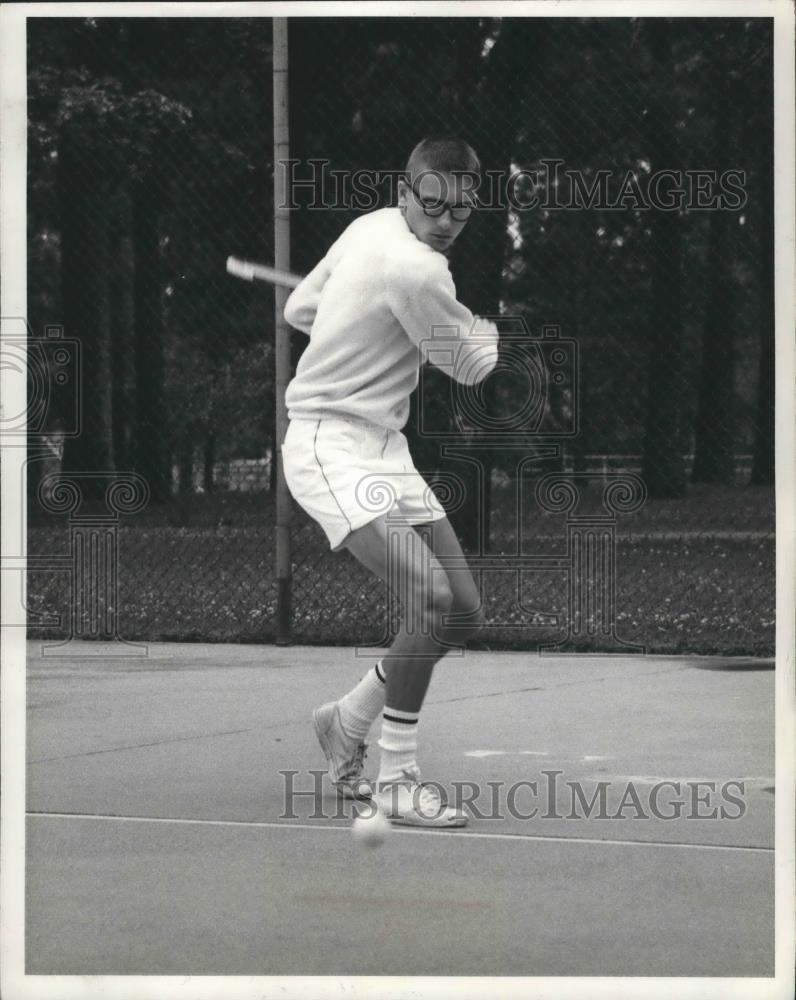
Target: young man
{"x": 380, "y": 303}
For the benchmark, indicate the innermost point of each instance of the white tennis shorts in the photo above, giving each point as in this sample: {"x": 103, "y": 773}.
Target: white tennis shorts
{"x": 345, "y": 473}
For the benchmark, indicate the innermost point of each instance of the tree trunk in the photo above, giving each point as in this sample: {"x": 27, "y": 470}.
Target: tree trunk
{"x": 121, "y": 352}
{"x": 714, "y": 454}
{"x": 151, "y": 459}
{"x": 763, "y": 463}
{"x": 714, "y": 460}
{"x": 208, "y": 480}
{"x": 82, "y": 192}
{"x": 186, "y": 462}
{"x": 663, "y": 467}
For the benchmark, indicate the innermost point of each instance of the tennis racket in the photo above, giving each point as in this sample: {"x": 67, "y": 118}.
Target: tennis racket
{"x": 248, "y": 270}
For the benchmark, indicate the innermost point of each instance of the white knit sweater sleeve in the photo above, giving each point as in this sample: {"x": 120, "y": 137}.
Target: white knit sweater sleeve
{"x": 448, "y": 334}
{"x": 302, "y": 304}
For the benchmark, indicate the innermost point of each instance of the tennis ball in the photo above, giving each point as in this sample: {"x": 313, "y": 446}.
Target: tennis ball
{"x": 370, "y": 828}
{"x": 362, "y": 790}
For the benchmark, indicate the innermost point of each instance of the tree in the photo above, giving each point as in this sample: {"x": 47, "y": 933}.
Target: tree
{"x": 600, "y": 95}
{"x": 121, "y": 334}
{"x": 663, "y": 467}
{"x": 151, "y": 458}
{"x": 714, "y": 455}
{"x": 153, "y": 107}
{"x": 82, "y": 189}
{"x": 763, "y": 463}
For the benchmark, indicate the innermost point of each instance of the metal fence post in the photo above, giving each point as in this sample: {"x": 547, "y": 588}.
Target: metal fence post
{"x": 282, "y": 354}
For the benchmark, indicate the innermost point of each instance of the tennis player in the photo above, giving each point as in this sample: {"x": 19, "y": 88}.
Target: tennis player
{"x": 379, "y": 304}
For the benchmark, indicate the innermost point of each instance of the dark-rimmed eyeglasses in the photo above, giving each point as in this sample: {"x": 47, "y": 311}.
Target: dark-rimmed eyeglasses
{"x": 435, "y": 207}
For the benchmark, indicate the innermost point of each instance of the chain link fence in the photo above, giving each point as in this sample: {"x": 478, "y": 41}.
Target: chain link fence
{"x": 626, "y": 222}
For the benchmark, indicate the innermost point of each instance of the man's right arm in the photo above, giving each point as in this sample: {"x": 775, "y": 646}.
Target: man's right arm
{"x": 302, "y": 304}
{"x": 464, "y": 346}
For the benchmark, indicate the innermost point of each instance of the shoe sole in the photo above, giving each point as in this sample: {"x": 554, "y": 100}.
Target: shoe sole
{"x": 424, "y": 822}
{"x": 344, "y": 788}
{"x": 456, "y": 824}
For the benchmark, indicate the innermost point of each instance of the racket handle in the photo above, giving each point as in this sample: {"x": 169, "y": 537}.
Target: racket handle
{"x": 240, "y": 268}
{"x": 250, "y": 271}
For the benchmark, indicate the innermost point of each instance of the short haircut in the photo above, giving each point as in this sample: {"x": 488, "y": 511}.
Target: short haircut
{"x": 445, "y": 155}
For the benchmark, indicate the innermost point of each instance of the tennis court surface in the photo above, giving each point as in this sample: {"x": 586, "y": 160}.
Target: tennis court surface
{"x": 162, "y": 839}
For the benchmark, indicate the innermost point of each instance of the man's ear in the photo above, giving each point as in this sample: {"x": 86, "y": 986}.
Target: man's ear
{"x": 403, "y": 191}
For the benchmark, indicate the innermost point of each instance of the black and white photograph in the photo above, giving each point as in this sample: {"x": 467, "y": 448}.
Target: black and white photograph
{"x": 398, "y": 500}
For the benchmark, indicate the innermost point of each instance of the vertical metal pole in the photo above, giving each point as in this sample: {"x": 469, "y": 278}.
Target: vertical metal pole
{"x": 283, "y": 373}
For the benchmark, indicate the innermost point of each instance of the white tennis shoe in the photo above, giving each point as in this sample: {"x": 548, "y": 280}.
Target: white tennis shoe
{"x": 346, "y": 756}
{"x": 410, "y": 802}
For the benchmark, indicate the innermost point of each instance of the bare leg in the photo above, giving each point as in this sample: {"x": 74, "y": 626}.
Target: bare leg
{"x": 467, "y": 615}
{"x": 414, "y": 570}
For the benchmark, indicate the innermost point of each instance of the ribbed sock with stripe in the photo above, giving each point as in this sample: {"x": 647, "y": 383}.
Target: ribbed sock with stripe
{"x": 398, "y": 744}
{"x": 363, "y": 704}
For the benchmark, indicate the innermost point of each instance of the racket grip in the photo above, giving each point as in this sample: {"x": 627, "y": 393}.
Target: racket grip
{"x": 240, "y": 268}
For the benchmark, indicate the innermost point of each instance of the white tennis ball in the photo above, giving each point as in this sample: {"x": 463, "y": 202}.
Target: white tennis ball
{"x": 370, "y": 828}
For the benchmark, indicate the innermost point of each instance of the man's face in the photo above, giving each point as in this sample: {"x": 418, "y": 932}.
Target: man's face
{"x": 430, "y": 203}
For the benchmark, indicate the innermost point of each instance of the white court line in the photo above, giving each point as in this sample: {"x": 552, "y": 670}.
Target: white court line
{"x": 657, "y": 779}
{"x": 413, "y": 831}
{"x": 533, "y": 753}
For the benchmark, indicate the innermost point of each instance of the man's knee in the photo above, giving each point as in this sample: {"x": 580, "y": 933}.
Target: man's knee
{"x": 465, "y": 622}
{"x": 430, "y": 606}
{"x": 441, "y": 599}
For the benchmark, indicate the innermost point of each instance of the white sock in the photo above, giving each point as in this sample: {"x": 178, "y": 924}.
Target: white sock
{"x": 361, "y": 706}
{"x": 398, "y": 744}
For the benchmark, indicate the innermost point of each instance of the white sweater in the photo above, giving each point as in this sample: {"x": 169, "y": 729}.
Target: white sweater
{"x": 378, "y": 305}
